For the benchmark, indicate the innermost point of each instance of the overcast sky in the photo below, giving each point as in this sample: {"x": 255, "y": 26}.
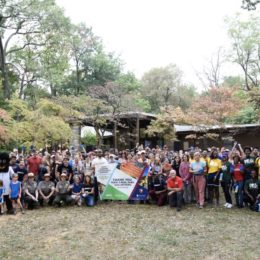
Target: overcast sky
{"x": 154, "y": 33}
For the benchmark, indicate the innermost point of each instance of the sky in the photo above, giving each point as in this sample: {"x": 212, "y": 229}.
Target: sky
{"x": 155, "y": 33}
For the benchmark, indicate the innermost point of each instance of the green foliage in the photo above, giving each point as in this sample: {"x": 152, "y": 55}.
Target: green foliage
{"x": 89, "y": 138}
{"x": 245, "y": 38}
{"x": 246, "y": 115}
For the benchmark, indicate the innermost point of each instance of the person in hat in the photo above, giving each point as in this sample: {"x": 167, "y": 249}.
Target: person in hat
{"x": 16, "y": 192}
{"x": 46, "y": 190}
{"x": 31, "y": 192}
{"x": 62, "y": 191}
{"x": 65, "y": 168}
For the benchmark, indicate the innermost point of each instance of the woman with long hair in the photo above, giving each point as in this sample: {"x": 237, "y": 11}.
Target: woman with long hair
{"x": 88, "y": 191}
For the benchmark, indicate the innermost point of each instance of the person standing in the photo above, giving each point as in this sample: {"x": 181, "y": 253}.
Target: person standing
{"x": 186, "y": 178}
{"x": 214, "y": 167}
{"x": 34, "y": 163}
{"x": 249, "y": 163}
{"x": 16, "y": 192}
{"x": 225, "y": 180}
{"x": 6, "y": 173}
{"x": 238, "y": 179}
{"x": 198, "y": 169}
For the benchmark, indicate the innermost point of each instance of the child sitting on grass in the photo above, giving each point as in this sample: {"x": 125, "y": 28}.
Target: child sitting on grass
{"x": 76, "y": 190}
{"x": 15, "y": 194}
{"x": 1, "y": 198}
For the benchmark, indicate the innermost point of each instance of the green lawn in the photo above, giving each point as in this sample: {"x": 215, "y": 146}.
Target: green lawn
{"x": 115, "y": 230}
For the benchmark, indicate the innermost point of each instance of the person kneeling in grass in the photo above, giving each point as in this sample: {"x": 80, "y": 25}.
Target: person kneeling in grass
{"x": 62, "y": 192}
{"x": 31, "y": 192}
{"x": 46, "y": 190}
{"x": 252, "y": 189}
{"x": 175, "y": 188}
{"x": 88, "y": 191}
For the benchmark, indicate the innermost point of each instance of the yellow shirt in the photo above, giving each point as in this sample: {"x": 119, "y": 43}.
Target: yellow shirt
{"x": 214, "y": 165}
{"x": 257, "y": 164}
{"x": 191, "y": 160}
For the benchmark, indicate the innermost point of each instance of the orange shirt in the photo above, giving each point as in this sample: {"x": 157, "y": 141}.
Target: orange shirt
{"x": 175, "y": 183}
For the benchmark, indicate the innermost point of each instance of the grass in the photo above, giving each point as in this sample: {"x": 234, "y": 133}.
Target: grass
{"x": 114, "y": 230}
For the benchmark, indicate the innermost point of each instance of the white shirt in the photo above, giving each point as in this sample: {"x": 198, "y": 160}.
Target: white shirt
{"x": 6, "y": 178}
{"x": 98, "y": 161}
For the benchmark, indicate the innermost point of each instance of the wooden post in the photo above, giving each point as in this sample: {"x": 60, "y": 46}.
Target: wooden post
{"x": 137, "y": 130}
{"x": 115, "y": 135}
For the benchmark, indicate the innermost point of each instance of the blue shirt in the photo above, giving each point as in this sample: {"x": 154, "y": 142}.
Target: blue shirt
{"x": 2, "y": 190}
{"x": 76, "y": 188}
{"x": 15, "y": 189}
{"x": 198, "y": 167}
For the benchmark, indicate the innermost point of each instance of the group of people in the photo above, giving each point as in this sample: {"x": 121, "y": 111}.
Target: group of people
{"x": 175, "y": 178}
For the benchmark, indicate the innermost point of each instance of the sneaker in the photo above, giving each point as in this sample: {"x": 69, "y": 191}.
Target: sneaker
{"x": 200, "y": 207}
{"x": 229, "y": 206}
{"x": 225, "y": 205}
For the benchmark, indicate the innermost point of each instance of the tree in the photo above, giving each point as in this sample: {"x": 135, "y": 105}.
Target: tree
{"x": 245, "y": 37}
{"x": 212, "y": 108}
{"x": 24, "y": 22}
{"x": 250, "y": 4}
{"x": 4, "y": 119}
{"x": 211, "y": 74}
{"x": 160, "y": 84}
{"x": 163, "y": 125}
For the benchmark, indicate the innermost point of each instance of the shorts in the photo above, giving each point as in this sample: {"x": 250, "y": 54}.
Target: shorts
{"x": 211, "y": 181}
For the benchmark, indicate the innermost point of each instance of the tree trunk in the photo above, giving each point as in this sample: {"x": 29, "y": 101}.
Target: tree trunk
{"x": 21, "y": 87}
{"x": 53, "y": 91}
{"x": 4, "y": 72}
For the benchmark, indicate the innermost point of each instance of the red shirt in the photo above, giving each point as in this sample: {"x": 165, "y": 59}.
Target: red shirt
{"x": 175, "y": 183}
{"x": 238, "y": 172}
{"x": 34, "y": 164}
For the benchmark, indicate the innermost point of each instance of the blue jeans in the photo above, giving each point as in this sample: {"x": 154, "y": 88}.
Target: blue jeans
{"x": 89, "y": 200}
{"x": 239, "y": 194}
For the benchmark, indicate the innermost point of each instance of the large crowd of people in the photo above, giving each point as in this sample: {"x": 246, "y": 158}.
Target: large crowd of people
{"x": 177, "y": 178}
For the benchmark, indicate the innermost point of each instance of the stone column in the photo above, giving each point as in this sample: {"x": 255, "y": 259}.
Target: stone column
{"x": 75, "y": 140}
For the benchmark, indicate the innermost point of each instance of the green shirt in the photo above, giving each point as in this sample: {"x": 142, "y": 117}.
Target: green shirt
{"x": 226, "y": 171}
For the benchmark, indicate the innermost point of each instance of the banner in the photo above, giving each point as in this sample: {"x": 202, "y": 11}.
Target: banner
{"x": 122, "y": 182}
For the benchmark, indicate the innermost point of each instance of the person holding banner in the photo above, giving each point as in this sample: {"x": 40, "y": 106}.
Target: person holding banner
{"x": 175, "y": 188}
{"x": 98, "y": 160}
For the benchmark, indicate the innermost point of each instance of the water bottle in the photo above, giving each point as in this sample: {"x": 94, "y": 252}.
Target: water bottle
{"x": 236, "y": 189}
{"x": 221, "y": 176}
